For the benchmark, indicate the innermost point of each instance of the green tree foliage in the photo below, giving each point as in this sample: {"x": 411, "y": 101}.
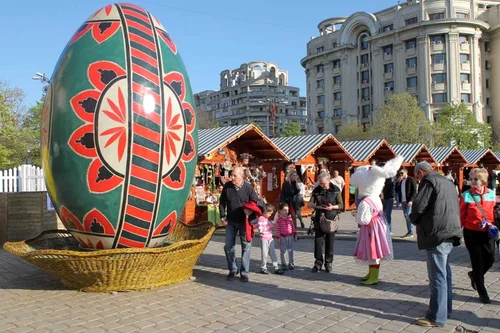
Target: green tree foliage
{"x": 204, "y": 120}
{"x": 459, "y": 127}
{"x": 291, "y": 129}
{"x": 401, "y": 121}
{"x": 351, "y": 132}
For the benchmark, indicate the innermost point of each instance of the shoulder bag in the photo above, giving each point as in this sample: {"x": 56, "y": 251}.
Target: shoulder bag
{"x": 492, "y": 229}
{"x": 329, "y": 226}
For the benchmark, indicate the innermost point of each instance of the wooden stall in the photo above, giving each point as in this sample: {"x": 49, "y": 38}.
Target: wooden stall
{"x": 365, "y": 152}
{"x": 482, "y": 158}
{"x": 413, "y": 153}
{"x": 309, "y": 153}
{"x": 222, "y": 149}
{"x": 450, "y": 158}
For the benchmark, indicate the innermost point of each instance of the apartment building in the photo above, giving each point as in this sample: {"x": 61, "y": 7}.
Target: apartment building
{"x": 256, "y": 92}
{"x": 440, "y": 51}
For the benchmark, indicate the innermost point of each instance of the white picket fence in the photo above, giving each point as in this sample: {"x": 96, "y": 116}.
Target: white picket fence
{"x": 24, "y": 178}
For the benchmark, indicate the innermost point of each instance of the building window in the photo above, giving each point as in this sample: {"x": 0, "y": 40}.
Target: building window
{"x": 337, "y": 129}
{"x": 438, "y": 58}
{"x": 487, "y": 101}
{"x": 438, "y": 78}
{"x": 320, "y": 49}
{"x": 337, "y": 96}
{"x": 487, "y": 46}
{"x": 462, "y": 15}
{"x": 364, "y": 43}
{"x": 487, "y": 84}
{"x": 439, "y": 98}
{"x": 437, "y": 39}
{"x": 388, "y": 28}
{"x": 436, "y": 16}
{"x": 320, "y": 83}
{"x": 465, "y": 78}
{"x": 364, "y": 59}
{"x": 464, "y": 58}
{"x": 337, "y": 112}
{"x": 365, "y": 94}
{"x": 465, "y": 98}
{"x": 321, "y": 114}
{"x": 410, "y": 21}
{"x": 389, "y": 86}
{"x": 411, "y": 82}
{"x": 365, "y": 76}
{"x": 337, "y": 79}
{"x": 411, "y": 44}
{"x": 320, "y": 68}
{"x": 463, "y": 39}
{"x": 336, "y": 63}
{"x": 321, "y": 99}
{"x": 366, "y": 111}
{"x": 387, "y": 49}
{"x": 321, "y": 129}
{"x": 487, "y": 64}
{"x": 411, "y": 62}
{"x": 388, "y": 68}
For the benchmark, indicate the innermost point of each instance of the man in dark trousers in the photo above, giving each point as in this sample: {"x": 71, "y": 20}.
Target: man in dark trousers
{"x": 436, "y": 214}
{"x": 407, "y": 189}
{"x": 234, "y": 195}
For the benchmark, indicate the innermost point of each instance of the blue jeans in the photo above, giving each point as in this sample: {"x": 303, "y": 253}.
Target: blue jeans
{"x": 406, "y": 213}
{"x": 232, "y": 229}
{"x": 439, "y": 272}
{"x": 388, "y": 204}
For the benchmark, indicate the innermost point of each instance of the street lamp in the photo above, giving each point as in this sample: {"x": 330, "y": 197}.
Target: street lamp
{"x": 42, "y": 78}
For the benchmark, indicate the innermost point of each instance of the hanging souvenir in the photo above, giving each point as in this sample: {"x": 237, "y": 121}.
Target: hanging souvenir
{"x": 217, "y": 170}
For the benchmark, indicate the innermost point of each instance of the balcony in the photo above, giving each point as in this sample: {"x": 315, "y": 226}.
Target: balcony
{"x": 320, "y": 90}
{"x": 336, "y": 70}
{"x": 466, "y": 86}
{"x": 365, "y": 83}
{"x": 320, "y": 106}
{"x": 465, "y": 66}
{"x": 438, "y": 66}
{"x": 411, "y": 70}
{"x": 337, "y": 102}
{"x": 387, "y": 56}
{"x": 437, "y": 47}
{"x": 412, "y": 90}
{"x": 411, "y": 51}
{"x": 364, "y": 66}
{"x": 336, "y": 86}
{"x": 365, "y": 100}
{"x": 438, "y": 87}
{"x": 465, "y": 48}
{"x": 319, "y": 75}
{"x": 388, "y": 75}
{"x": 388, "y": 92}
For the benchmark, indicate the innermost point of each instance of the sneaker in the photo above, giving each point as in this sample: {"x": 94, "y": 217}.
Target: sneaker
{"x": 427, "y": 323}
{"x": 283, "y": 267}
{"x": 328, "y": 268}
{"x": 231, "y": 276}
{"x": 264, "y": 271}
{"x": 472, "y": 282}
{"x": 244, "y": 278}
{"x": 315, "y": 269}
{"x": 279, "y": 271}
{"x": 408, "y": 235}
{"x": 291, "y": 266}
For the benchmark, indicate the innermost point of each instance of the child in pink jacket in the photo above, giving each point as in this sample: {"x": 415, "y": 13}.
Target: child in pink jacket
{"x": 285, "y": 235}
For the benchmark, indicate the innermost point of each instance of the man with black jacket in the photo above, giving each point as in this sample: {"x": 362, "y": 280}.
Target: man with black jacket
{"x": 388, "y": 201}
{"x": 407, "y": 189}
{"x": 234, "y": 195}
{"x": 436, "y": 214}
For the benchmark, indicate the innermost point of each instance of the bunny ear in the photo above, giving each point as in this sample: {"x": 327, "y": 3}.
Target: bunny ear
{"x": 391, "y": 168}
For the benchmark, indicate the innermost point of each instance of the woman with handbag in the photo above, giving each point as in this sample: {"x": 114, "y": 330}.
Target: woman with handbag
{"x": 327, "y": 202}
{"x": 476, "y": 217}
{"x": 290, "y": 193}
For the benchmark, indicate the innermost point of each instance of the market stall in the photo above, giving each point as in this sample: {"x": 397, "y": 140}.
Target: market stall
{"x": 222, "y": 149}
{"x": 413, "y": 153}
{"x": 450, "y": 158}
{"x": 309, "y": 154}
{"x": 366, "y": 152}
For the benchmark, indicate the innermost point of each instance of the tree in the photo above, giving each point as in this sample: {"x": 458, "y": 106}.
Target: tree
{"x": 351, "y": 132}
{"x": 31, "y": 131}
{"x": 459, "y": 127}
{"x": 291, "y": 129}
{"x": 401, "y": 121}
{"x": 205, "y": 119}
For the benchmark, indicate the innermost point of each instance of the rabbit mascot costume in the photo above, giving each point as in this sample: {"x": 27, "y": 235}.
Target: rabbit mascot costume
{"x": 374, "y": 241}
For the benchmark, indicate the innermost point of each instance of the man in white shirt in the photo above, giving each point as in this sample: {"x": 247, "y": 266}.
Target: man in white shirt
{"x": 337, "y": 180}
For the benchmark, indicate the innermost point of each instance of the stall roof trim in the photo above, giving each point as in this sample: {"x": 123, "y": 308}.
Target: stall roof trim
{"x": 408, "y": 151}
{"x": 474, "y": 156}
{"x": 299, "y": 147}
{"x": 362, "y": 150}
{"x": 497, "y": 154}
{"x": 212, "y": 139}
{"x": 440, "y": 154}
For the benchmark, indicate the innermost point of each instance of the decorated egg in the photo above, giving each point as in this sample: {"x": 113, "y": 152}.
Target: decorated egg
{"x": 119, "y": 131}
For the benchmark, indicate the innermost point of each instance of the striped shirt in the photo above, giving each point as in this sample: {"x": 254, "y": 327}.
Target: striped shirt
{"x": 285, "y": 227}
{"x": 265, "y": 228}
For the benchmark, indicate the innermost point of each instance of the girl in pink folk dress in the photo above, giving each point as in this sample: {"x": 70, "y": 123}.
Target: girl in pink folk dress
{"x": 374, "y": 241}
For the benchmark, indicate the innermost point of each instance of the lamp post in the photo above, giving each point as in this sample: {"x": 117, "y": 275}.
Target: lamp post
{"x": 42, "y": 78}
{"x": 273, "y": 110}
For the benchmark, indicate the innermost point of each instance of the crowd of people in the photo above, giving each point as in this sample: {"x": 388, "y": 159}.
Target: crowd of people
{"x": 430, "y": 203}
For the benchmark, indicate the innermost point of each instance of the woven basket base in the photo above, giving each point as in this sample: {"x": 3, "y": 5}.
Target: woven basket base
{"x": 58, "y": 253}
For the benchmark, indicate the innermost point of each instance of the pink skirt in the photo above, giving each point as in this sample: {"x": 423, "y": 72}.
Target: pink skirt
{"x": 372, "y": 243}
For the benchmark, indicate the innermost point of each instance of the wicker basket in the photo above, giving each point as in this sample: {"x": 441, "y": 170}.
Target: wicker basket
{"x": 58, "y": 253}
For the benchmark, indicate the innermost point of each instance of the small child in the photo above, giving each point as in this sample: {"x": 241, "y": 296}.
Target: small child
{"x": 267, "y": 242}
{"x": 285, "y": 234}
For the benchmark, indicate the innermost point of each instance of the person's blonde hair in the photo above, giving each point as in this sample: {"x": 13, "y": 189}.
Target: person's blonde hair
{"x": 481, "y": 174}
{"x": 290, "y": 173}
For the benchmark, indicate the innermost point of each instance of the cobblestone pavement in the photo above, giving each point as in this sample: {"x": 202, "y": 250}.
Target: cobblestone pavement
{"x": 299, "y": 301}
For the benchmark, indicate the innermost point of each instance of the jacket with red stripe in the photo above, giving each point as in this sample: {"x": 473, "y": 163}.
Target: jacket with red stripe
{"x": 470, "y": 215}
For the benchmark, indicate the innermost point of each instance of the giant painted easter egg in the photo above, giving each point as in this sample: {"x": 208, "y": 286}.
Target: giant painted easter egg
{"x": 118, "y": 131}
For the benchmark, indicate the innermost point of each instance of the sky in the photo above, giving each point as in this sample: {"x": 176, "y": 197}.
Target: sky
{"x": 211, "y": 36}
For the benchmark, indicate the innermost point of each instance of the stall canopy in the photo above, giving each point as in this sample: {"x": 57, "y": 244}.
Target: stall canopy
{"x": 497, "y": 154}
{"x": 299, "y": 148}
{"x": 480, "y": 157}
{"x": 243, "y": 138}
{"x": 447, "y": 155}
{"x": 364, "y": 151}
{"x": 413, "y": 153}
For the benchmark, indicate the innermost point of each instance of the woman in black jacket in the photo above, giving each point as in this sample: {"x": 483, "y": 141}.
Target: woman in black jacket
{"x": 290, "y": 194}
